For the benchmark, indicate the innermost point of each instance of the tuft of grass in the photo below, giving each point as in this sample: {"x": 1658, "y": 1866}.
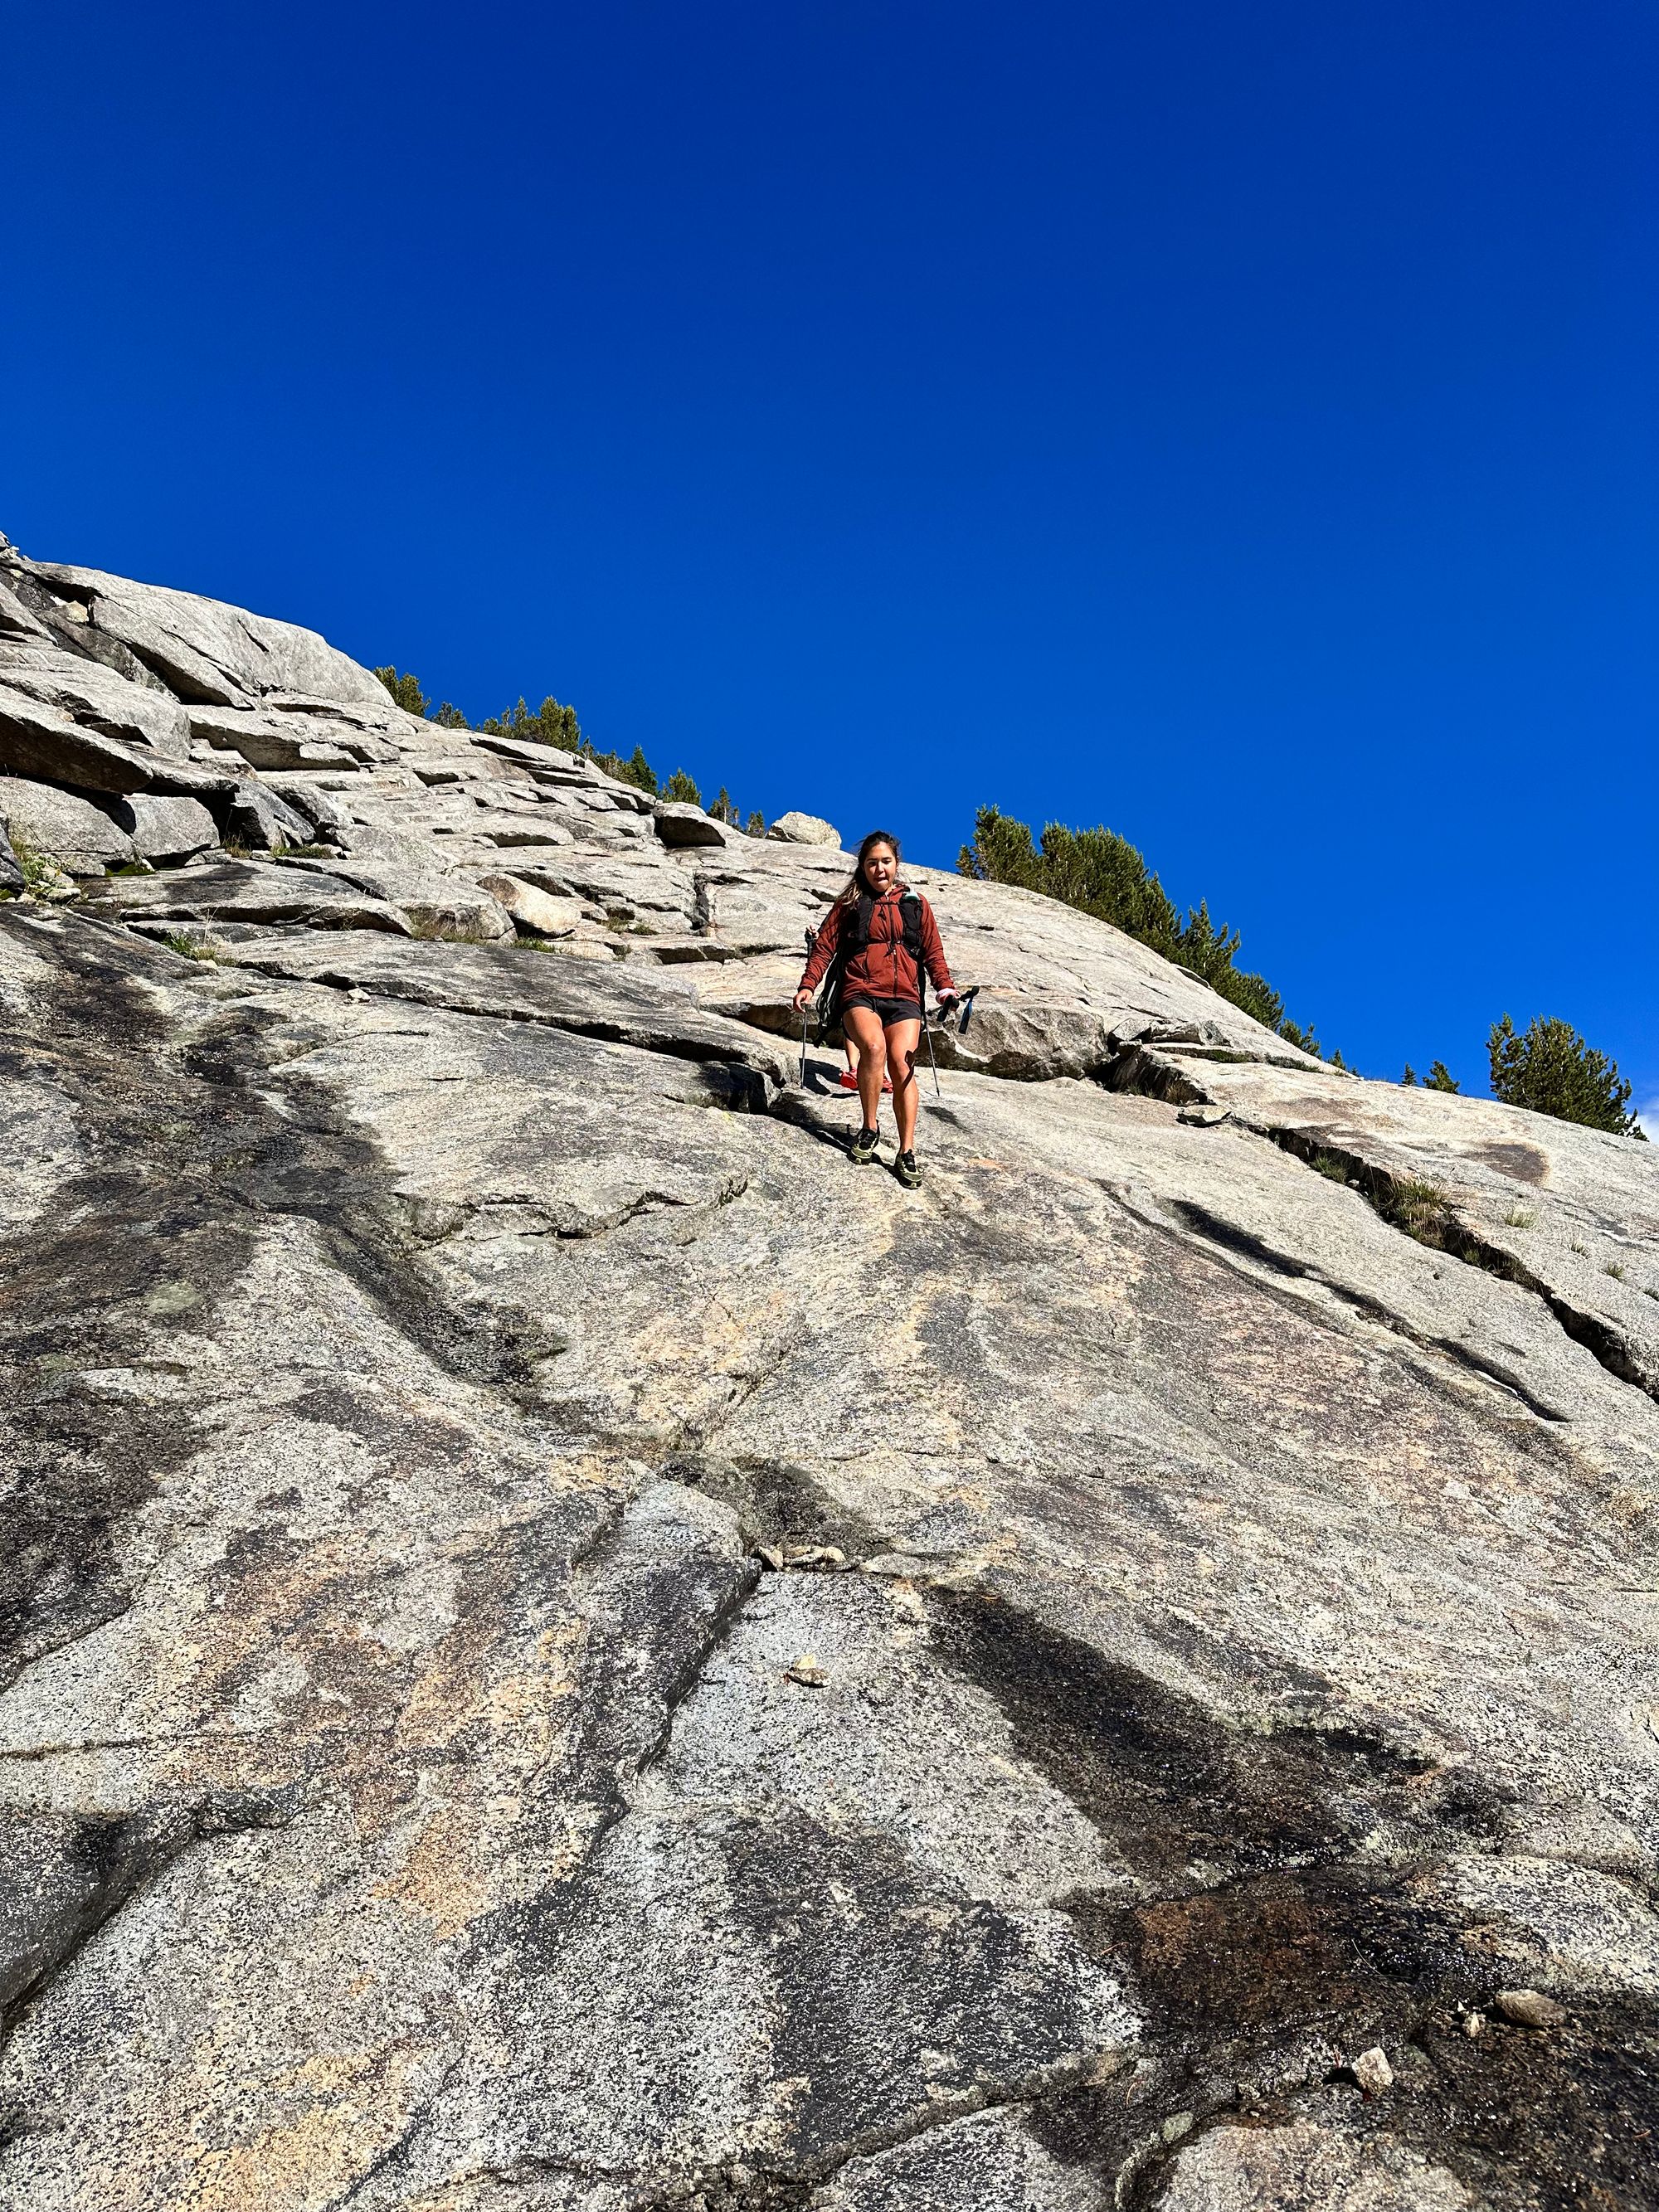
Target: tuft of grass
{"x": 1519, "y": 1216}
{"x": 40, "y": 870}
{"x": 1327, "y": 1164}
{"x": 1582, "y": 1250}
{"x": 1418, "y": 1208}
{"x": 1616, "y": 1269}
{"x": 133, "y": 868}
{"x": 190, "y": 947}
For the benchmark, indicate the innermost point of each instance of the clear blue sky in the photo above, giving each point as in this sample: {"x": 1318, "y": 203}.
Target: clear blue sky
{"x": 1232, "y": 423}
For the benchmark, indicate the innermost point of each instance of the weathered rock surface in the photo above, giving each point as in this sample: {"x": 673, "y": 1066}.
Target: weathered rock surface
{"x": 560, "y": 1648}
{"x": 679, "y": 824}
{"x": 97, "y": 698}
{"x": 165, "y": 829}
{"x": 792, "y": 828}
{"x": 202, "y": 650}
{"x": 78, "y": 836}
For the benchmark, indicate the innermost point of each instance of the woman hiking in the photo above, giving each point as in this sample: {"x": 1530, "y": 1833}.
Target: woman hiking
{"x": 879, "y": 938}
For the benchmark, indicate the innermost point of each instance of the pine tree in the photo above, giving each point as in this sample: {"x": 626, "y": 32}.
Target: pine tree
{"x": 679, "y": 787}
{"x": 1103, "y": 874}
{"x": 1440, "y": 1077}
{"x": 405, "y": 691}
{"x": 1550, "y": 1069}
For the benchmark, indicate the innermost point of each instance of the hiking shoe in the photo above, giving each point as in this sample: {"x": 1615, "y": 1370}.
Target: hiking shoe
{"x": 848, "y": 1081}
{"x": 905, "y": 1167}
{"x": 864, "y": 1147}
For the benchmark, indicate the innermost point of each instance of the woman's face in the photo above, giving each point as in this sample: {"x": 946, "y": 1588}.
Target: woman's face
{"x": 881, "y": 868}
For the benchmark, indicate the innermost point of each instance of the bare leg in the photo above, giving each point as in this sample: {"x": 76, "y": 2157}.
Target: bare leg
{"x": 864, "y": 1028}
{"x": 902, "y": 1038}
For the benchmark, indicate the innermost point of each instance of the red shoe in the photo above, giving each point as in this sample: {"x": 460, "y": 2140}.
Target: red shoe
{"x": 850, "y": 1082}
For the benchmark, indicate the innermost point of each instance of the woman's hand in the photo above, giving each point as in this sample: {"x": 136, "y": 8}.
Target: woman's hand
{"x": 946, "y": 1000}
{"x": 802, "y": 999}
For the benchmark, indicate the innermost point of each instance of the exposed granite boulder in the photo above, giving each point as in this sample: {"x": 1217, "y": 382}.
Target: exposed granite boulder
{"x": 41, "y": 740}
{"x": 326, "y": 816}
{"x": 535, "y": 913}
{"x": 96, "y": 698}
{"x": 245, "y": 896}
{"x": 269, "y": 740}
{"x": 259, "y": 818}
{"x": 16, "y": 619}
{"x": 794, "y": 828}
{"x": 206, "y": 652}
{"x": 560, "y": 1648}
{"x": 393, "y": 866}
{"x": 165, "y": 829}
{"x": 680, "y": 824}
{"x": 81, "y": 837}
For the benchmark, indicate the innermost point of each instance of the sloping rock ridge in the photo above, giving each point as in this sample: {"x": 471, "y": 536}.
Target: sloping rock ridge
{"x": 561, "y": 1650}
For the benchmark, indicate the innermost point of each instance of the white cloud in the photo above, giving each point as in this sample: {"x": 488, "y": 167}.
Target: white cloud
{"x": 1647, "y": 1119}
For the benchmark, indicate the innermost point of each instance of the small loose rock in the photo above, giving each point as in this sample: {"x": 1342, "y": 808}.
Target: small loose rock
{"x": 807, "y": 1671}
{"x": 1474, "y": 2024}
{"x": 1530, "y": 2009}
{"x": 1372, "y": 2071}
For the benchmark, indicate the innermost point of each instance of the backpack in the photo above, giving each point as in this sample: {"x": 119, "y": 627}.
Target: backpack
{"x": 855, "y": 936}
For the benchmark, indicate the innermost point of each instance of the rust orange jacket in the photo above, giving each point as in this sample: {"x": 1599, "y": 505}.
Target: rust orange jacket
{"x": 886, "y": 967}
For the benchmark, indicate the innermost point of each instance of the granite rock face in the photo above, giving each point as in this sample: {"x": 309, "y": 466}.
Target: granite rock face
{"x": 561, "y": 1648}
{"x": 79, "y": 835}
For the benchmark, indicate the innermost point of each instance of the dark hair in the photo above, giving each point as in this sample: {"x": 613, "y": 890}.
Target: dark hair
{"x": 867, "y": 845}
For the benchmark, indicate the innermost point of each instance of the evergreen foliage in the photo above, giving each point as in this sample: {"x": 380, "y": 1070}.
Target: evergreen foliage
{"x": 405, "y": 691}
{"x": 551, "y": 724}
{"x": 1103, "y": 874}
{"x": 554, "y": 725}
{"x": 1549, "y": 1068}
{"x": 1439, "y": 1077}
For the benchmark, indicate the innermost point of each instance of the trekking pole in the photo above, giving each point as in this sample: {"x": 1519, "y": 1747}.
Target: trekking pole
{"x": 806, "y": 1011}
{"x": 932, "y": 1061}
{"x": 966, "y": 1003}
